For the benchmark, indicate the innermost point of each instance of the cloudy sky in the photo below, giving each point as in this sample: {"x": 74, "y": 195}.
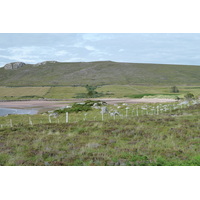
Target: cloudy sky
{"x": 161, "y": 48}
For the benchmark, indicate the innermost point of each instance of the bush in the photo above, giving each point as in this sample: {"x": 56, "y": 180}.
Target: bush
{"x": 75, "y": 108}
{"x": 174, "y": 89}
{"x": 91, "y": 93}
{"x": 189, "y": 96}
{"x": 98, "y": 103}
{"x": 78, "y": 107}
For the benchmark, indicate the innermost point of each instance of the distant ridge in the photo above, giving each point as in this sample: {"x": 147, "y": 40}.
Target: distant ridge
{"x": 53, "y": 73}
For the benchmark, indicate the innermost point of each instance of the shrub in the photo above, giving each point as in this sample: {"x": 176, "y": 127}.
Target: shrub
{"x": 91, "y": 93}
{"x": 78, "y": 107}
{"x": 174, "y": 89}
{"x": 189, "y": 96}
{"x": 75, "y": 108}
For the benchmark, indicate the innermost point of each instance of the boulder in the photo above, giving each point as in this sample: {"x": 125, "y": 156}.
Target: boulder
{"x": 14, "y": 65}
{"x": 104, "y": 110}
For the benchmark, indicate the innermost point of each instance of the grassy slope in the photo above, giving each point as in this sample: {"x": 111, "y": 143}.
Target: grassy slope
{"x": 100, "y": 73}
{"x": 119, "y": 91}
{"x": 145, "y": 140}
{"x": 23, "y": 91}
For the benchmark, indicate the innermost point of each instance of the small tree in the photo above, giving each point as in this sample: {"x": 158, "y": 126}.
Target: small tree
{"x": 91, "y": 90}
{"x": 189, "y": 96}
{"x": 91, "y": 93}
{"x": 174, "y": 89}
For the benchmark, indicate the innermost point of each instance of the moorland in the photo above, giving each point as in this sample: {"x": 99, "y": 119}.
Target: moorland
{"x": 97, "y": 132}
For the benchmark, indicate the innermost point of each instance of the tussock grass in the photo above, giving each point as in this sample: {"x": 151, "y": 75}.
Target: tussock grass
{"x": 166, "y": 139}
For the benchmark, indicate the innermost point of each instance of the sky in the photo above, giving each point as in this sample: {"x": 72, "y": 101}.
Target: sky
{"x": 161, "y": 48}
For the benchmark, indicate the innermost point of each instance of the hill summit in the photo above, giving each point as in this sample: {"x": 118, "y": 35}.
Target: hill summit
{"x": 14, "y": 65}
{"x": 53, "y": 73}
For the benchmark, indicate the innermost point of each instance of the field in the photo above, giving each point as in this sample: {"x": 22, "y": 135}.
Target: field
{"x": 64, "y": 92}
{"x": 7, "y": 93}
{"x": 112, "y": 91}
{"x": 143, "y": 134}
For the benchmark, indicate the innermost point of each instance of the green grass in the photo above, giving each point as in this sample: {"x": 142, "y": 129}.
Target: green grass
{"x": 64, "y": 92}
{"x": 167, "y": 139}
{"x": 22, "y": 92}
{"x": 101, "y": 73}
{"x": 112, "y": 91}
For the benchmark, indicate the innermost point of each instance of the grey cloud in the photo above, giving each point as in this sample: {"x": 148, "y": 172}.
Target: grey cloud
{"x": 127, "y": 47}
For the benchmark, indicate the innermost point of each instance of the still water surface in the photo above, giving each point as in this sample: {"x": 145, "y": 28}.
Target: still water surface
{"x": 6, "y": 111}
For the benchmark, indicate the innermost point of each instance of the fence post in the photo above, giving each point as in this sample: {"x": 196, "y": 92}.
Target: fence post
{"x": 102, "y": 115}
{"x": 127, "y": 112}
{"x": 11, "y": 123}
{"x": 67, "y": 117}
{"x": 30, "y": 122}
{"x": 49, "y": 119}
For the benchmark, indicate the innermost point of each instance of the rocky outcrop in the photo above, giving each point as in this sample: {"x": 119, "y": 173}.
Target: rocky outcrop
{"x": 45, "y": 62}
{"x": 14, "y": 65}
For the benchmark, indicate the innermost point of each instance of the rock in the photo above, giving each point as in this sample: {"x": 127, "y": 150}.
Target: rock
{"x": 96, "y": 107}
{"x": 46, "y": 164}
{"x": 120, "y": 163}
{"x": 112, "y": 141}
{"x": 117, "y": 163}
{"x": 114, "y": 113}
{"x": 93, "y": 145}
{"x": 14, "y": 65}
{"x": 104, "y": 110}
{"x": 45, "y": 62}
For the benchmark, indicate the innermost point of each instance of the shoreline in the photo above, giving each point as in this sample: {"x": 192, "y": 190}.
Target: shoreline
{"x": 53, "y": 104}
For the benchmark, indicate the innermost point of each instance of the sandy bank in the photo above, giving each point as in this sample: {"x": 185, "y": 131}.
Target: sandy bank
{"x": 56, "y": 104}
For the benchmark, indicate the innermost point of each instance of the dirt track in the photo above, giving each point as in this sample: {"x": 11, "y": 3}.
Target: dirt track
{"x": 56, "y": 104}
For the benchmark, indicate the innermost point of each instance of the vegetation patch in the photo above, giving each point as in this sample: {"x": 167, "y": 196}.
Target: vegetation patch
{"x": 164, "y": 139}
{"x": 138, "y": 96}
{"x": 79, "y": 107}
{"x": 91, "y": 93}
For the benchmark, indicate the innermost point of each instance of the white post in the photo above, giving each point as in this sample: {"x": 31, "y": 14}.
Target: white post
{"x": 85, "y": 116}
{"x": 67, "y": 117}
{"x": 30, "y": 122}
{"x": 157, "y": 110}
{"x": 137, "y": 112}
{"x": 102, "y": 115}
{"x": 49, "y": 119}
{"x": 11, "y": 123}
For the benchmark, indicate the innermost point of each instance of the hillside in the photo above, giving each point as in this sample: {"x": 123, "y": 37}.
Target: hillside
{"x": 99, "y": 73}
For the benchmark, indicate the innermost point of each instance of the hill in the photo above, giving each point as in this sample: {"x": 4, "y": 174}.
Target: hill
{"x": 51, "y": 73}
